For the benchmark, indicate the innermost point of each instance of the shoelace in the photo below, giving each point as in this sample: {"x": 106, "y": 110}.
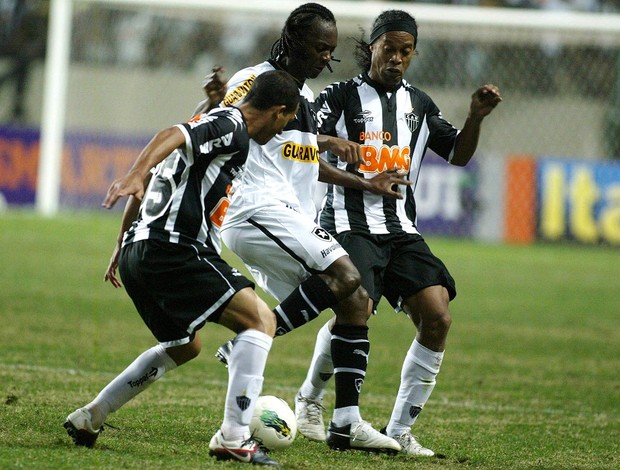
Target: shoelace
{"x": 251, "y": 442}
{"x": 362, "y": 423}
{"x": 409, "y": 440}
{"x": 315, "y": 410}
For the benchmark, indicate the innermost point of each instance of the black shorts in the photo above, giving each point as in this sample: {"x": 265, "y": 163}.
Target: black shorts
{"x": 395, "y": 266}
{"x": 177, "y": 288}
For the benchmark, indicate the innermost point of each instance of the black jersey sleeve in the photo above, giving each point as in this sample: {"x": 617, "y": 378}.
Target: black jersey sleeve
{"x": 329, "y": 106}
{"x": 222, "y": 131}
{"x": 442, "y": 133}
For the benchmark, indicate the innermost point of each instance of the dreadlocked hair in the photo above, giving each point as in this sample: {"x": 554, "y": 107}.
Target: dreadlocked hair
{"x": 362, "y": 54}
{"x": 295, "y": 30}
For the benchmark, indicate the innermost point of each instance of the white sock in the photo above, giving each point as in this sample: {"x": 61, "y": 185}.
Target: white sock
{"x": 417, "y": 381}
{"x": 346, "y": 415}
{"x": 246, "y": 366}
{"x": 142, "y": 372}
{"x": 321, "y": 367}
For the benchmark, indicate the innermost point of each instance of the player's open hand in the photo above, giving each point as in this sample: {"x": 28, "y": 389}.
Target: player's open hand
{"x": 386, "y": 183}
{"x": 110, "y": 272}
{"x": 130, "y": 184}
{"x": 484, "y": 100}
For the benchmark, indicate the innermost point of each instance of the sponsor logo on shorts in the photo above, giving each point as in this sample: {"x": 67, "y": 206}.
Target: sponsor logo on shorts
{"x": 327, "y": 251}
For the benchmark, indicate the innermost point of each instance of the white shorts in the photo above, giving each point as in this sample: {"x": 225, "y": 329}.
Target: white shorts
{"x": 281, "y": 247}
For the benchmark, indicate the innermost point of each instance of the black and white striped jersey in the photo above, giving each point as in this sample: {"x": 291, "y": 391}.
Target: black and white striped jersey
{"x": 394, "y": 129}
{"x": 186, "y": 199}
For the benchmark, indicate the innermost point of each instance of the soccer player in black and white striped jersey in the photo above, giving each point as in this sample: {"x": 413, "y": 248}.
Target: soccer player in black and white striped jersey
{"x": 394, "y": 123}
{"x": 170, "y": 264}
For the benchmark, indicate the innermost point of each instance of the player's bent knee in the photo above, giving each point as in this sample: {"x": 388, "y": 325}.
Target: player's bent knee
{"x": 439, "y": 322}
{"x": 343, "y": 277}
{"x": 186, "y": 352}
{"x": 248, "y": 311}
{"x": 354, "y": 309}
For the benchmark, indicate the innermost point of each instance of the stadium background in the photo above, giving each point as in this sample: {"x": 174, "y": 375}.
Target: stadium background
{"x": 547, "y": 165}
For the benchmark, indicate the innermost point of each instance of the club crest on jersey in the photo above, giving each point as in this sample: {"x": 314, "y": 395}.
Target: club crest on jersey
{"x": 321, "y": 234}
{"x": 412, "y": 121}
{"x": 363, "y": 116}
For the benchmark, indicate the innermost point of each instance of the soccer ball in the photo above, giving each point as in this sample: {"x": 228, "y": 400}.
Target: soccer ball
{"x": 273, "y": 423}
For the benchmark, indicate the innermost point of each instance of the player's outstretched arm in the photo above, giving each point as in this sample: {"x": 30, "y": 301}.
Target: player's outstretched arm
{"x": 130, "y": 214}
{"x": 345, "y": 150}
{"x": 382, "y": 184}
{"x": 132, "y": 184}
{"x": 483, "y": 101}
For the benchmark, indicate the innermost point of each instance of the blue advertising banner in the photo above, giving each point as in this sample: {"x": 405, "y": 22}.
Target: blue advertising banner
{"x": 89, "y": 165}
{"x": 19, "y": 156}
{"x": 446, "y": 197}
{"x": 579, "y": 200}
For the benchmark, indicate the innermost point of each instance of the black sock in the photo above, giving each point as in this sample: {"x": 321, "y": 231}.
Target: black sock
{"x": 350, "y": 349}
{"x": 304, "y": 304}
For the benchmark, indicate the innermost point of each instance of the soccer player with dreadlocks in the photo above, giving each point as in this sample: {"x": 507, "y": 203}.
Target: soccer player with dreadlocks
{"x": 270, "y": 222}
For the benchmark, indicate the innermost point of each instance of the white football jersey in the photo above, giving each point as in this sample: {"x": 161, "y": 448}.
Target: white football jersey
{"x": 286, "y": 168}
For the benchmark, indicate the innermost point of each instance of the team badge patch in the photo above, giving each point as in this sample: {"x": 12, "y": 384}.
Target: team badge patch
{"x": 414, "y": 411}
{"x": 321, "y": 234}
{"x": 243, "y": 402}
{"x": 412, "y": 121}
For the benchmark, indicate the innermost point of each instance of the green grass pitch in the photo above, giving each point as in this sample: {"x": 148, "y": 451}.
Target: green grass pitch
{"x": 531, "y": 376}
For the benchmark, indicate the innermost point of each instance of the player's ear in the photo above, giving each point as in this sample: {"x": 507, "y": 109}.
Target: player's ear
{"x": 278, "y": 110}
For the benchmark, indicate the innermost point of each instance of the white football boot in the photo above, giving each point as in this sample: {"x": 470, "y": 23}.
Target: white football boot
{"x": 309, "y": 415}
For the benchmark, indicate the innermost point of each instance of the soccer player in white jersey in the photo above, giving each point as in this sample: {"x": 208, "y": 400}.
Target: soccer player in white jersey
{"x": 394, "y": 122}
{"x": 170, "y": 264}
{"x": 271, "y": 226}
